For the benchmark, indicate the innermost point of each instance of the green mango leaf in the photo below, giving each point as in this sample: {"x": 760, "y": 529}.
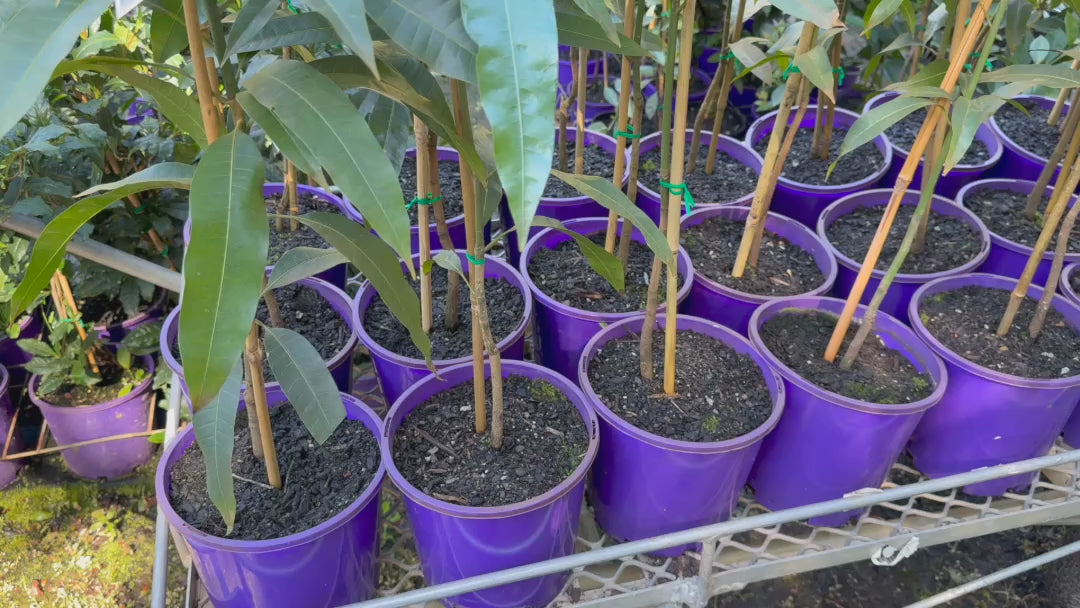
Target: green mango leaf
{"x": 748, "y": 54}
{"x": 926, "y": 92}
{"x": 251, "y": 18}
{"x": 214, "y": 425}
{"x": 377, "y": 262}
{"x": 157, "y": 438}
{"x": 304, "y": 29}
{"x": 875, "y": 122}
{"x": 48, "y": 253}
{"x": 963, "y": 124}
{"x": 301, "y": 263}
{"x": 305, "y": 380}
{"x": 323, "y": 119}
{"x": 391, "y": 123}
{"x": 517, "y": 69}
{"x": 349, "y": 20}
{"x": 579, "y": 30}
{"x": 489, "y": 194}
{"x": 930, "y": 75}
{"x": 36, "y": 35}
{"x": 602, "y": 16}
{"x": 449, "y": 261}
{"x": 225, "y": 263}
{"x": 822, "y": 13}
{"x": 902, "y": 41}
{"x": 431, "y": 30}
{"x": 816, "y": 66}
{"x": 37, "y": 348}
{"x": 605, "y": 264}
{"x": 1053, "y": 76}
{"x": 167, "y": 34}
{"x": 292, "y": 149}
{"x": 1039, "y": 49}
{"x": 878, "y": 11}
{"x": 606, "y": 194}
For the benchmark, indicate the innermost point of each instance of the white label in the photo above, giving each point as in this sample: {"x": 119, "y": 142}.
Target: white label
{"x": 124, "y": 7}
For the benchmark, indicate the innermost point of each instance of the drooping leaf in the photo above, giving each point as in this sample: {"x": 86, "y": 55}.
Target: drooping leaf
{"x": 875, "y": 122}
{"x": 927, "y": 92}
{"x": 579, "y": 30}
{"x": 167, "y": 34}
{"x": 902, "y": 41}
{"x": 605, "y": 264}
{"x": 224, "y": 264}
{"x": 816, "y": 66}
{"x": 431, "y": 30}
{"x": 305, "y": 380}
{"x": 304, "y": 29}
{"x": 301, "y": 263}
{"x": 822, "y": 13}
{"x": 930, "y": 74}
{"x": 963, "y": 124}
{"x": 602, "y": 16}
{"x": 251, "y": 18}
{"x": 1053, "y": 76}
{"x": 292, "y": 149}
{"x": 748, "y": 54}
{"x": 391, "y": 123}
{"x": 161, "y": 175}
{"x": 323, "y": 119}
{"x": 517, "y": 69}
{"x": 878, "y": 11}
{"x": 214, "y": 426}
{"x": 349, "y": 20}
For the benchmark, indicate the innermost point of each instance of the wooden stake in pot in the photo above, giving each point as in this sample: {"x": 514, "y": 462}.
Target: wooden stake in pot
{"x": 423, "y": 183}
{"x": 629, "y": 23}
{"x": 728, "y": 68}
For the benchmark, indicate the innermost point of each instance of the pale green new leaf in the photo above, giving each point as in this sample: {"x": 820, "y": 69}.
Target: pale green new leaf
{"x": 349, "y": 20}
{"x": 967, "y": 115}
{"x": 432, "y": 30}
{"x": 449, "y": 261}
{"x": 605, "y": 264}
{"x": 878, "y": 11}
{"x": 305, "y": 29}
{"x": 305, "y": 380}
{"x": 301, "y": 263}
{"x": 249, "y": 21}
{"x": 292, "y": 149}
{"x": 822, "y": 13}
{"x": 1053, "y": 76}
{"x": 214, "y": 427}
{"x": 1039, "y": 49}
{"x": 816, "y": 66}
{"x": 749, "y": 54}
{"x": 167, "y": 34}
{"x": 875, "y": 122}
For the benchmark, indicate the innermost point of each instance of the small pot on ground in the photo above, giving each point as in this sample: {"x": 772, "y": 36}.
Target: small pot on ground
{"x": 989, "y": 416}
{"x": 115, "y": 331}
{"x": 455, "y": 222}
{"x": 983, "y": 156}
{"x": 644, "y": 484}
{"x": 9, "y": 470}
{"x": 805, "y": 201}
{"x": 1007, "y": 256}
{"x": 397, "y": 372}
{"x": 784, "y": 238}
{"x": 119, "y": 416}
{"x": 332, "y": 563}
{"x": 562, "y": 330}
{"x": 457, "y": 541}
{"x": 967, "y": 238}
{"x": 828, "y": 444}
{"x": 1018, "y": 161}
{"x": 14, "y": 358}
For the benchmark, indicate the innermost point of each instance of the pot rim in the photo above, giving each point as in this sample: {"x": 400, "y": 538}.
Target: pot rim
{"x": 138, "y": 391}
{"x": 1010, "y": 142}
{"x": 1065, "y": 284}
{"x": 158, "y": 303}
{"x": 595, "y": 136}
{"x": 1022, "y": 186}
{"x": 725, "y": 144}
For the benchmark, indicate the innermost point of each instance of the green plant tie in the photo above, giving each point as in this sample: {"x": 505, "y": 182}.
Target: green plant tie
{"x": 841, "y": 73}
{"x": 789, "y": 69}
{"x": 165, "y": 251}
{"x": 427, "y": 200}
{"x": 628, "y": 133}
{"x": 473, "y": 260}
{"x": 665, "y": 14}
{"x": 139, "y": 209}
{"x": 291, "y": 7}
{"x": 683, "y": 191}
{"x": 728, "y": 55}
{"x": 78, "y": 321}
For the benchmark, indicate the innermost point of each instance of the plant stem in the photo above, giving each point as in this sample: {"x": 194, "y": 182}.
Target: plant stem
{"x": 423, "y": 183}
{"x": 728, "y": 68}
{"x": 272, "y": 308}
{"x": 1072, "y": 120}
{"x": 621, "y": 121}
{"x": 205, "y": 91}
{"x": 136, "y": 204}
{"x": 217, "y": 37}
{"x": 709, "y": 102}
{"x": 292, "y": 197}
{"x": 579, "y": 132}
{"x": 627, "y": 230}
{"x": 819, "y": 126}
{"x": 1062, "y": 248}
{"x": 934, "y": 153}
{"x": 836, "y": 57}
{"x": 1059, "y": 104}
{"x": 254, "y": 350}
{"x": 453, "y": 280}
{"x": 916, "y": 51}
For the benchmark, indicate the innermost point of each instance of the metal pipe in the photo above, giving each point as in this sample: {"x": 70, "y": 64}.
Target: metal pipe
{"x": 727, "y": 528}
{"x": 161, "y": 530}
{"x": 1000, "y": 575}
{"x": 102, "y": 254}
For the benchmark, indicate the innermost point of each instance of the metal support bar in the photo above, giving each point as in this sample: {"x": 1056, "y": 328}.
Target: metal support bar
{"x": 161, "y": 529}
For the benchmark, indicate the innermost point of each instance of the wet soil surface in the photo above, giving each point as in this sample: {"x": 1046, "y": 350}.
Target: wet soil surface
{"x": 730, "y": 180}
{"x": 449, "y": 182}
{"x": 1030, "y": 130}
{"x": 902, "y": 135}
{"x": 284, "y": 240}
{"x": 597, "y": 162}
{"x": 1003, "y": 213}
{"x": 544, "y": 440}
{"x": 803, "y": 168}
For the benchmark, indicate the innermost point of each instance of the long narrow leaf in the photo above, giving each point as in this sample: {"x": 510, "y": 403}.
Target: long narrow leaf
{"x": 292, "y": 149}
{"x": 577, "y": 29}
{"x": 167, "y": 35}
{"x": 251, "y": 18}
{"x": 214, "y": 427}
{"x": 431, "y": 30}
{"x": 876, "y": 121}
{"x": 305, "y": 380}
{"x": 161, "y": 175}
{"x": 599, "y": 13}
{"x": 1053, "y": 76}
{"x": 822, "y": 13}
{"x": 301, "y": 263}
{"x": 350, "y": 22}
{"x": 605, "y": 264}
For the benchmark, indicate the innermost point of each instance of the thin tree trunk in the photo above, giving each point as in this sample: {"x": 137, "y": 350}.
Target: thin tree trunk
{"x": 627, "y": 230}
{"x": 1067, "y": 225}
{"x": 579, "y": 139}
{"x": 1035, "y": 199}
{"x": 453, "y": 281}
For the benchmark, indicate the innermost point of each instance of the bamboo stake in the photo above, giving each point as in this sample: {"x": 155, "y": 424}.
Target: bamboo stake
{"x": 258, "y": 385}
{"x": 254, "y": 430}
{"x": 453, "y": 280}
{"x": 960, "y": 17}
{"x": 836, "y": 57}
{"x": 203, "y": 87}
{"x": 579, "y": 132}
{"x": 1037, "y": 322}
{"x": 1059, "y": 104}
{"x": 709, "y": 103}
{"x": 1072, "y": 121}
{"x": 728, "y": 68}
{"x": 904, "y": 180}
{"x": 423, "y": 183}
{"x": 627, "y": 230}
{"x": 64, "y": 303}
{"x": 621, "y": 121}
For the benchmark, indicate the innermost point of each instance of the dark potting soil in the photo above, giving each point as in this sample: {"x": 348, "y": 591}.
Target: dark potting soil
{"x": 103, "y": 309}
{"x": 75, "y": 395}
{"x": 449, "y": 182}
{"x": 1030, "y": 130}
{"x": 879, "y": 374}
{"x": 388, "y": 332}
{"x": 544, "y": 440}
{"x": 800, "y": 167}
{"x": 1074, "y": 281}
{"x": 950, "y": 242}
{"x": 1003, "y": 213}
{"x": 731, "y": 180}
{"x": 903, "y": 134}
{"x": 284, "y": 240}
{"x": 720, "y": 394}
{"x": 318, "y": 481}
{"x": 733, "y": 125}
{"x": 965, "y": 320}
{"x": 597, "y": 162}
{"x": 564, "y": 274}
{"x": 783, "y": 269}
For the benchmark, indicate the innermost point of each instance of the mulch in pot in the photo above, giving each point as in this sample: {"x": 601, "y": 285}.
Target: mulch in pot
{"x": 318, "y": 481}
{"x": 449, "y": 182}
{"x": 505, "y": 310}
{"x": 733, "y": 125}
{"x": 783, "y": 268}
{"x": 903, "y": 134}
{"x": 284, "y": 240}
{"x": 950, "y": 241}
{"x": 965, "y": 320}
{"x": 731, "y": 180}
{"x": 544, "y": 440}
{"x": 598, "y": 161}
{"x": 564, "y": 274}
{"x": 1029, "y": 130}
{"x": 720, "y": 394}
{"x": 1003, "y": 213}
{"x": 879, "y": 375}
{"x": 801, "y": 167}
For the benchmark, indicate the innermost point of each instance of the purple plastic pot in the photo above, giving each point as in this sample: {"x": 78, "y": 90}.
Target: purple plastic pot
{"x": 1008, "y": 258}
{"x": 948, "y": 185}
{"x": 649, "y": 200}
{"x": 566, "y": 68}
{"x": 666, "y": 478}
{"x": 155, "y": 310}
{"x": 337, "y": 275}
{"x": 9, "y": 470}
{"x": 1017, "y": 162}
{"x": 139, "y": 110}
{"x": 1072, "y": 427}
{"x": 127, "y": 414}
{"x": 706, "y": 63}
{"x": 828, "y": 445}
{"x": 14, "y": 358}
{"x": 340, "y": 365}
{"x": 334, "y": 563}
{"x": 455, "y": 225}
{"x": 563, "y": 208}
{"x": 456, "y": 542}
{"x": 905, "y": 284}
{"x": 988, "y": 417}
{"x": 396, "y": 373}
{"x": 595, "y": 110}
{"x": 805, "y": 202}
{"x": 562, "y": 331}
{"x": 732, "y": 308}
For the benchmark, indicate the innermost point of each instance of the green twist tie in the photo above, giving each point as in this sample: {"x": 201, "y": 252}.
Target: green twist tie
{"x": 78, "y": 321}
{"x": 920, "y": 28}
{"x": 427, "y": 200}
{"x": 683, "y": 191}
{"x": 292, "y": 8}
{"x": 628, "y": 133}
{"x": 789, "y": 69}
{"x": 665, "y": 14}
{"x": 473, "y": 260}
{"x": 839, "y": 71}
{"x": 165, "y": 251}
{"x": 728, "y": 55}
{"x": 139, "y": 209}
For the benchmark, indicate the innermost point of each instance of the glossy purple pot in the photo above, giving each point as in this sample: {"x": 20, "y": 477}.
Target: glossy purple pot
{"x": 649, "y": 200}
{"x": 562, "y": 208}
{"x": 566, "y": 68}
{"x": 948, "y": 185}
{"x": 805, "y": 202}
{"x": 396, "y": 373}
{"x": 115, "y": 332}
{"x": 988, "y": 417}
{"x": 562, "y": 331}
{"x": 456, "y": 542}
{"x": 338, "y": 274}
{"x": 828, "y": 445}
{"x": 14, "y": 358}
{"x": 127, "y": 414}
{"x": 340, "y": 365}
{"x": 644, "y": 485}
{"x": 1008, "y": 258}
{"x": 1017, "y": 162}
{"x": 334, "y": 563}
{"x": 9, "y": 470}
{"x": 1072, "y": 427}
{"x": 905, "y": 284}
{"x": 455, "y": 225}
{"x": 716, "y": 302}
